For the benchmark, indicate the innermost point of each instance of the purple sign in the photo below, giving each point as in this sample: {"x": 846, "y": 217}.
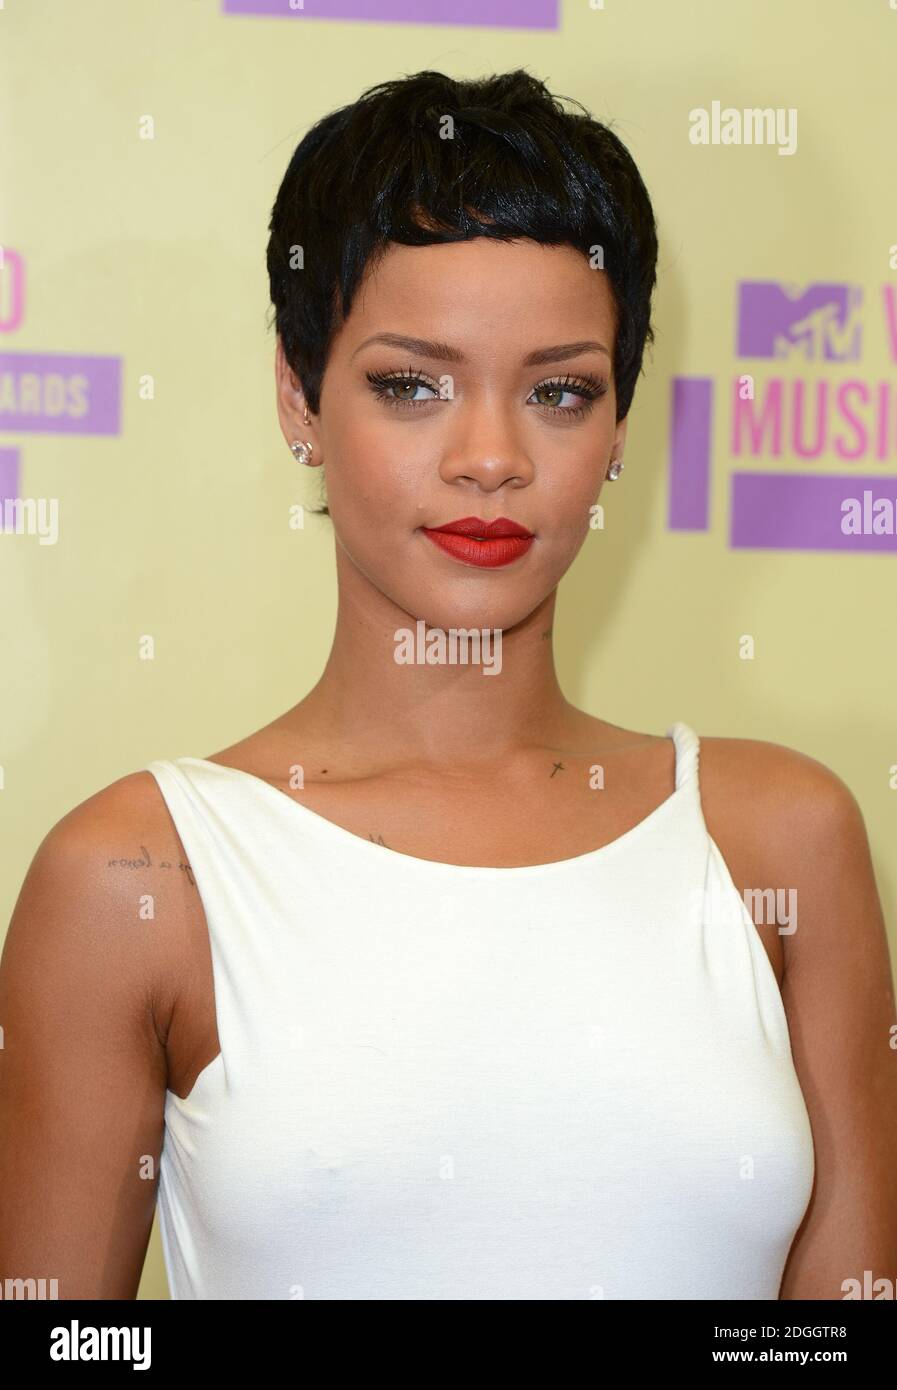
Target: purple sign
{"x": 9, "y": 477}
{"x": 690, "y": 445}
{"x": 55, "y": 393}
{"x": 812, "y": 414}
{"x": 801, "y": 511}
{"x": 12, "y": 290}
{"x": 506, "y": 14}
{"x": 820, "y": 322}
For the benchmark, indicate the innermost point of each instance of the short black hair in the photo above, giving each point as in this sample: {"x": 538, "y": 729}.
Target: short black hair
{"x": 510, "y": 163}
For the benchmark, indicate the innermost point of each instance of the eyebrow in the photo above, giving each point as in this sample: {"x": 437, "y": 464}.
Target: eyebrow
{"x": 444, "y": 352}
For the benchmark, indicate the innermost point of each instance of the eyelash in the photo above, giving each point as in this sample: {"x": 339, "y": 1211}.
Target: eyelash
{"x": 589, "y": 387}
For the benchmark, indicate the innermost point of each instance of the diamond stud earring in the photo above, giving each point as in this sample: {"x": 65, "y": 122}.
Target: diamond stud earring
{"x": 302, "y": 449}
{"x": 616, "y": 468}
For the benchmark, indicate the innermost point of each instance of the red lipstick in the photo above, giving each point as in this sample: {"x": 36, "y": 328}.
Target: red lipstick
{"x": 487, "y": 544}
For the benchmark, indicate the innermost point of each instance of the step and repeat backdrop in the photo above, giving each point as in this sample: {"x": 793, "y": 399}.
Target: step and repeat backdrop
{"x": 745, "y": 577}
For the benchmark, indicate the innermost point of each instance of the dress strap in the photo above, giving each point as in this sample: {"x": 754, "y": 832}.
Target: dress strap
{"x": 687, "y": 752}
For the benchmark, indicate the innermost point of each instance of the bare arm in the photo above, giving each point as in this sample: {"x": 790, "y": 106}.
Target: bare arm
{"x": 839, "y": 997}
{"x": 83, "y": 1067}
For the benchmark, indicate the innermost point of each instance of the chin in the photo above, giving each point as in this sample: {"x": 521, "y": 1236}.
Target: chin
{"x": 448, "y": 611}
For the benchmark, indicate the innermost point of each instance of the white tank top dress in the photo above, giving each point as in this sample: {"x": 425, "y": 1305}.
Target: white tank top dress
{"x": 569, "y": 1080}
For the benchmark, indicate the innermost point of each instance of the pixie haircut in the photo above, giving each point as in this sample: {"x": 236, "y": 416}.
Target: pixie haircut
{"x": 510, "y": 163}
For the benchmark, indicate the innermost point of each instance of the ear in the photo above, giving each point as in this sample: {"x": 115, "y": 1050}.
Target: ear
{"x": 290, "y": 399}
{"x": 620, "y": 438}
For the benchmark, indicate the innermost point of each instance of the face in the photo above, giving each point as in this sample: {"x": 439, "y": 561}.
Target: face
{"x": 460, "y": 424}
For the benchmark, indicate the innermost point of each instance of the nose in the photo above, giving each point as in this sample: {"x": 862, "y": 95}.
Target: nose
{"x": 485, "y": 448}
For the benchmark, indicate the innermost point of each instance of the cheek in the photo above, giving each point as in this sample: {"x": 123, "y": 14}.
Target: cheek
{"x": 367, "y": 480}
{"x": 571, "y": 498}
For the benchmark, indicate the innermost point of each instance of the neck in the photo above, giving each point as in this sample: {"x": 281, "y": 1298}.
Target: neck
{"x": 432, "y": 713}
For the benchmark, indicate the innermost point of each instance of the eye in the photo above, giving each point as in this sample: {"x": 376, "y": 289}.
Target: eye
{"x": 400, "y": 391}
{"x": 587, "y": 389}
{"x": 383, "y": 384}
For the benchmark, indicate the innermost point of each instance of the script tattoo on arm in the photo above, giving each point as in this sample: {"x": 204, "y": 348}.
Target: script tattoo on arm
{"x": 147, "y": 863}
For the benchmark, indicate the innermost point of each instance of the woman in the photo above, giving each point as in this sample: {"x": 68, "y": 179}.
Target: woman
{"x": 438, "y": 987}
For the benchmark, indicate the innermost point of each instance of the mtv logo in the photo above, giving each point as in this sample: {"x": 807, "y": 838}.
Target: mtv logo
{"x": 819, "y": 323}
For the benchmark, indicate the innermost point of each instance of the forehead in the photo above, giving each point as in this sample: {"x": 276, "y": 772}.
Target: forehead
{"x": 482, "y": 290}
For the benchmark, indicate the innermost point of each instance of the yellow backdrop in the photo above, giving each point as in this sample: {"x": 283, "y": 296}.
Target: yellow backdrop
{"x": 146, "y": 487}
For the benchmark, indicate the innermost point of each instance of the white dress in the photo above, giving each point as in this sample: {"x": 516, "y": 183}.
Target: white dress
{"x": 569, "y": 1080}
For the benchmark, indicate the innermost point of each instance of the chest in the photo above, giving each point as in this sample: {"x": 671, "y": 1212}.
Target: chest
{"x": 576, "y": 812}
{"x": 510, "y": 1101}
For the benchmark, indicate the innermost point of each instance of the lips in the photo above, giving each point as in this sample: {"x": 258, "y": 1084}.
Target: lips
{"x": 487, "y": 544}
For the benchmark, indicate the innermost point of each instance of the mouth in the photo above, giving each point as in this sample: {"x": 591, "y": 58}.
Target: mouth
{"x": 486, "y": 544}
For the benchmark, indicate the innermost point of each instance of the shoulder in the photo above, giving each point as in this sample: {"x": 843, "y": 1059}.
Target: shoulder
{"x": 778, "y": 795}
{"x": 96, "y": 886}
{"x": 793, "y": 825}
{"x": 126, "y": 823}
{"x": 773, "y": 776}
